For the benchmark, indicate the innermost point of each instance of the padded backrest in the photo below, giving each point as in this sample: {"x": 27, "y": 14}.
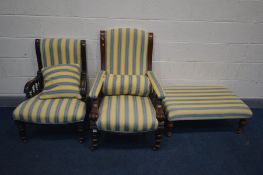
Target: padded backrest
{"x": 60, "y": 51}
{"x": 126, "y": 51}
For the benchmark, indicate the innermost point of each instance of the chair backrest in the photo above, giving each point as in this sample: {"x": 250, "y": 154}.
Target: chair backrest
{"x": 126, "y": 51}
{"x": 52, "y": 51}
{"x": 59, "y": 51}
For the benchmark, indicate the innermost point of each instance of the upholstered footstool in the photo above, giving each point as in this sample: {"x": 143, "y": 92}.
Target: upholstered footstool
{"x": 203, "y": 103}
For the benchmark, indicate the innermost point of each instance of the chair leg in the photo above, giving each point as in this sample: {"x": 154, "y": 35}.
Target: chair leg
{"x": 81, "y": 132}
{"x": 94, "y": 135}
{"x": 169, "y": 128}
{"x": 22, "y": 131}
{"x": 242, "y": 123}
{"x": 158, "y": 136}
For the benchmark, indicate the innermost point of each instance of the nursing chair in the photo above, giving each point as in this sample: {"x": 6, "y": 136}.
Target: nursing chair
{"x": 57, "y": 95}
{"x": 126, "y": 96}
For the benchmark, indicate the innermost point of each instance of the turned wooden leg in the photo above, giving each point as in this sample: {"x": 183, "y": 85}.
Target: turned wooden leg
{"x": 242, "y": 123}
{"x": 169, "y": 128}
{"x": 158, "y": 136}
{"x": 81, "y": 132}
{"x": 94, "y": 136}
{"x": 22, "y": 130}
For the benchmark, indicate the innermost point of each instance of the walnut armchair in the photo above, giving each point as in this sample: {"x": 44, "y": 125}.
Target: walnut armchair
{"x": 120, "y": 99}
{"x": 52, "y": 53}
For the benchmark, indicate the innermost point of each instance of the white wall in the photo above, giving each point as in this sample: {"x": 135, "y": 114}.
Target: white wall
{"x": 196, "y": 41}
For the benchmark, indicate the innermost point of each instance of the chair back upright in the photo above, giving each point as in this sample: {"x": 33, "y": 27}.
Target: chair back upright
{"x": 125, "y": 51}
{"x": 55, "y": 51}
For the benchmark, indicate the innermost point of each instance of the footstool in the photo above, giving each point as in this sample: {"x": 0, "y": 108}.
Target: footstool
{"x": 203, "y": 103}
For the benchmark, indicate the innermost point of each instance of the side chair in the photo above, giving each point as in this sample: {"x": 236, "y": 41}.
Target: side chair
{"x": 57, "y": 95}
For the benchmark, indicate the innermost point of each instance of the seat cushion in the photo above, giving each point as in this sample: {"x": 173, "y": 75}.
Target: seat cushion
{"x": 61, "y": 81}
{"x": 203, "y": 103}
{"x": 126, "y": 85}
{"x": 129, "y": 114}
{"x": 50, "y": 111}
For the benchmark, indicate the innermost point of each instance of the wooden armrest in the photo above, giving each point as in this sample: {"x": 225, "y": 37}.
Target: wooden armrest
{"x": 83, "y": 86}
{"x": 94, "y": 113}
{"x": 159, "y": 111}
{"x": 158, "y": 107}
{"x": 34, "y": 86}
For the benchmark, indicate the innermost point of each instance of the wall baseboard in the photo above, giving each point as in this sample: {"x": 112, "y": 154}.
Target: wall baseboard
{"x": 13, "y": 101}
{"x": 254, "y": 102}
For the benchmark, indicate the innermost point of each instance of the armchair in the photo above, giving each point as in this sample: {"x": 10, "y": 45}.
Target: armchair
{"x": 51, "y": 53}
{"x": 126, "y": 96}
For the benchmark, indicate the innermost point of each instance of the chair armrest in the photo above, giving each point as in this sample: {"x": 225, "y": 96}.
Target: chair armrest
{"x": 158, "y": 106}
{"x": 95, "y": 95}
{"x": 97, "y": 85}
{"x": 94, "y": 113}
{"x": 83, "y": 86}
{"x": 34, "y": 86}
{"x": 157, "y": 89}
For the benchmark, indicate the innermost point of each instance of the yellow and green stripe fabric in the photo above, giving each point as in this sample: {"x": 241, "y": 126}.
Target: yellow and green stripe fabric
{"x": 60, "y": 51}
{"x": 126, "y": 51}
{"x": 97, "y": 85}
{"x": 203, "y": 103}
{"x": 128, "y": 114}
{"x": 126, "y": 85}
{"x": 155, "y": 85}
{"x": 61, "y": 81}
{"x": 51, "y": 111}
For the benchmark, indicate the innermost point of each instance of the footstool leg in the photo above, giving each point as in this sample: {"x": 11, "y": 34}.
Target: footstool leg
{"x": 242, "y": 123}
{"x": 169, "y": 128}
{"x": 22, "y": 131}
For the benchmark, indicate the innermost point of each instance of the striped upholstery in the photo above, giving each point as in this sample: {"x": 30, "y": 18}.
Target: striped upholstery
{"x": 97, "y": 85}
{"x": 203, "y": 102}
{"x": 61, "y": 81}
{"x": 51, "y": 111}
{"x": 155, "y": 85}
{"x": 125, "y": 113}
{"x": 126, "y": 51}
{"x": 60, "y": 51}
{"x": 126, "y": 85}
